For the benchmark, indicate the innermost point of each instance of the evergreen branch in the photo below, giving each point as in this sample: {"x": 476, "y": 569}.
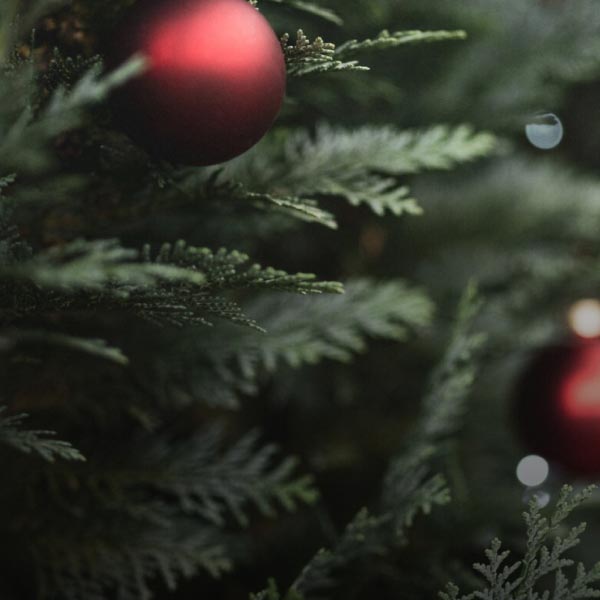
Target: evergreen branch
{"x": 410, "y": 488}
{"x": 205, "y": 479}
{"x": 451, "y": 383}
{"x": 409, "y": 485}
{"x": 26, "y": 135}
{"x": 307, "y": 331}
{"x": 359, "y": 165}
{"x": 305, "y": 209}
{"x": 163, "y": 504}
{"x": 179, "y": 285}
{"x": 210, "y": 483}
{"x": 34, "y": 441}
{"x": 225, "y": 269}
{"x": 95, "y": 347}
{"x": 313, "y": 9}
{"x": 363, "y": 537}
{"x": 103, "y": 562}
{"x": 522, "y": 579}
{"x": 95, "y": 265}
{"x": 202, "y": 185}
{"x": 387, "y": 40}
{"x": 305, "y": 57}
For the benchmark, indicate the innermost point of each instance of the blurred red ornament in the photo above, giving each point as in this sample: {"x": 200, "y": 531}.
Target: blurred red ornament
{"x": 215, "y": 81}
{"x": 558, "y": 406}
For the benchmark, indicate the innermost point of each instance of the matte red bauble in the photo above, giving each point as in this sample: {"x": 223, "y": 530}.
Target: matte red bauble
{"x": 558, "y": 406}
{"x": 215, "y": 81}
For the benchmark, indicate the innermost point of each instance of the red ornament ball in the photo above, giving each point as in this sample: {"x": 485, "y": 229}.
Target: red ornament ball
{"x": 557, "y": 406}
{"x": 215, "y": 80}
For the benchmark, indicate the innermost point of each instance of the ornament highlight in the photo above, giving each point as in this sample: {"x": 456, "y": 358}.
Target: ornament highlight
{"x": 215, "y": 81}
{"x": 557, "y": 406}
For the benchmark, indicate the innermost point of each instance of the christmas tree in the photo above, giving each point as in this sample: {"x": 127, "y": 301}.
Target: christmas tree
{"x": 327, "y": 346}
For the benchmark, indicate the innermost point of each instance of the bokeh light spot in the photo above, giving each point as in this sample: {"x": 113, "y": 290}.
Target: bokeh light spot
{"x": 545, "y": 131}
{"x": 532, "y": 470}
{"x": 584, "y": 318}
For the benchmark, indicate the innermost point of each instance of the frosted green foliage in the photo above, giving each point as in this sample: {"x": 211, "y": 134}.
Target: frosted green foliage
{"x": 548, "y": 543}
{"x": 37, "y": 442}
{"x": 311, "y": 8}
{"x": 305, "y": 57}
{"x": 360, "y": 165}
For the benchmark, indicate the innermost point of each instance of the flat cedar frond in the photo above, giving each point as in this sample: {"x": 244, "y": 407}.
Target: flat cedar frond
{"x": 452, "y": 381}
{"x": 34, "y": 441}
{"x": 547, "y": 547}
{"x": 309, "y": 330}
{"x": 102, "y": 563}
{"x": 387, "y": 40}
{"x": 205, "y": 478}
{"x": 180, "y": 285}
{"x": 362, "y": 165}
{"x": 305, "y": 57}
{"x": 97, "y": 265}
{"x": 166, "y": 506}
{"x": 226, "y": 269}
